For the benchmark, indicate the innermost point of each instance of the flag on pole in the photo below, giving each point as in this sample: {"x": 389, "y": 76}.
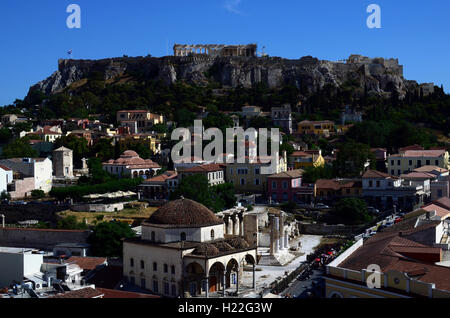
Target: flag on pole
{"x": 69, "y": 52}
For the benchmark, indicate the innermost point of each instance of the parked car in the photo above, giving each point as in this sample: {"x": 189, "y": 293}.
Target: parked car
{"x": 322, "y": 206}
{"x": 371, "y": 209}
{"x": 398, "y": 220}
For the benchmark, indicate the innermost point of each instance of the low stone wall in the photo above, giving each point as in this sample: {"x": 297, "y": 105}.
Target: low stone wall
{"x": 325, "y": 229}
{"x": 40, "y": 212}
{"x": 40, "y": 239}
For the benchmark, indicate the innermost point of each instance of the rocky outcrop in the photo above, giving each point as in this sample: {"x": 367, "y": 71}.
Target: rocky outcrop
{"x": 377, "y": 76}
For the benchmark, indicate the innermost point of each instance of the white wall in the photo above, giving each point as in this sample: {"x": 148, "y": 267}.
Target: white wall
{"x": 173, "y": 234}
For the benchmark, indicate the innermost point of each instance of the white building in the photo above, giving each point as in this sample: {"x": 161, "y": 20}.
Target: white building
{"x": 40, "y": 169}
{"x": 183, "y": 252}
{"x": 6, "y": 177}
{"x": 17, "y": 263}
{"x": 215, "y": 173}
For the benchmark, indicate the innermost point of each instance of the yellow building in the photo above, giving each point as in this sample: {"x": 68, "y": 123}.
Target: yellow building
{"x": 248, "y": 177}
{"x": 409, "y": 160}
{"x": 305, "y": 159}
{"x": 319, "y": 128}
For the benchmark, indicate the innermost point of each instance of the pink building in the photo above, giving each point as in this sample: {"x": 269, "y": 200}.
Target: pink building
{"x": 283, "y": 187}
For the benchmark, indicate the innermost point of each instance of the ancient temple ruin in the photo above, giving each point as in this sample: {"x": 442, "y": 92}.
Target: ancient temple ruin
{"x": 215, "y": 50}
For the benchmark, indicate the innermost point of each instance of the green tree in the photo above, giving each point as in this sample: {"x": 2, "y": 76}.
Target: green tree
{"x": 197, "y": 188}
{"x": 312, "y": 174}
{"x": 352, "y": 157}
{"x": 37, "y": 194}
{"x": 19, "y": 148}
{"x": 351, "y": 211}
{"x": 106, "y": 238}
{"x": 5, "y": 196}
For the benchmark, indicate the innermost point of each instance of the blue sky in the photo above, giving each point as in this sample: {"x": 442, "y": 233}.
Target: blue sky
{"x": 34, "y": 34}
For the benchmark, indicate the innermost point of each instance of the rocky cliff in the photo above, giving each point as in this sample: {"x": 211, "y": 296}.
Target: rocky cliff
{"x": 377, "y": 76}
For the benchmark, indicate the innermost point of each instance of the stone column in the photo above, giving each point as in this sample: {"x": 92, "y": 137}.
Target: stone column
{"x": 224, "y": 283}
{"x": 237, "y": 280}
{"x": 254, "y": 277}
{"x": 281, "y": 231}
{"x": 286, "y": 240}
{"x": 235, "y": 225}
{"x": 207, "y": 287}
{"x": 275, "y": 228}
{"x": 230, "y": 225}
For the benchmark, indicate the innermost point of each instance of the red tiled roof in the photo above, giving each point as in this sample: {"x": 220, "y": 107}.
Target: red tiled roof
{"x": 163, "y": 177}
{"x": 81, "y": 293}
{"x": 204, "y": 168}
{"x": 421, "y": 153}
{"x": 393, "y": 252}
{"x": 87, "y": 263}
{"x": 377, "y": 174}
{"x": 113, "y": 293}
{"x": 5, "y": 168}
{"x": 443, "y": 202}
{"x": 291, "y": 174}
{"x": 440, "y": 211}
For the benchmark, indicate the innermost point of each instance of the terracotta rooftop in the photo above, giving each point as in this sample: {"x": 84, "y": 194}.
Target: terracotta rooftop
{"x": 162, "y": 177}
{"x": 337, "y": 184}
{"x": 377, "y": 174}
{"x": 418, "y": 175}
{"x": 289, "y": 174}
{"x": 440, "y": 211}
{"x": 421, "y": 153}
{"x": 113, "y": 293}
{"x": 443, "y": 202}
{"x": 203, "y": 168}
{"x": 81, "y": 293}
{"x": 393, "y": 252}
{"x": 87, "y": 263}
{"x": 430, "y": 169}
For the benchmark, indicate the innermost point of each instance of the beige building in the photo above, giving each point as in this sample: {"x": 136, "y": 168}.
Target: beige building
{"x": 184, "y": 252}
{"x": 409, "y": 160}
{"x": 138, "y": 120}
{"x": 249, "y": 176}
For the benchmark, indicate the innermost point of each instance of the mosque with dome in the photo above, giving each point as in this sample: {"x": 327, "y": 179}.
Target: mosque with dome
{"x": 130, "y": 164}
{"x": 184, "y": 251}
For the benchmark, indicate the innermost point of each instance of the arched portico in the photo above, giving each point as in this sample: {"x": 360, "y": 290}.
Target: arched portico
{"x": 194, "y": 277}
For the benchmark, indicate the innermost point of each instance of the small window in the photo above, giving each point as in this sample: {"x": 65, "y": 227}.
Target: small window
{"x": 155, "y": 286}
{"x": 212, "y": 235}
{"x": 143, "y": 283}
{"x": 172, "y": 269}
{"x": 183, "y": 237}
{"x": 153, "y": 236}
{"x": 142, "y": 265}
{"x": 155, "y": 266}
{"x": 131, "y": 262}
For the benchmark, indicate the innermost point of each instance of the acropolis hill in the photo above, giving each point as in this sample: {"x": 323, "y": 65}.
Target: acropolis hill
{"x": 239, "y": 65}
